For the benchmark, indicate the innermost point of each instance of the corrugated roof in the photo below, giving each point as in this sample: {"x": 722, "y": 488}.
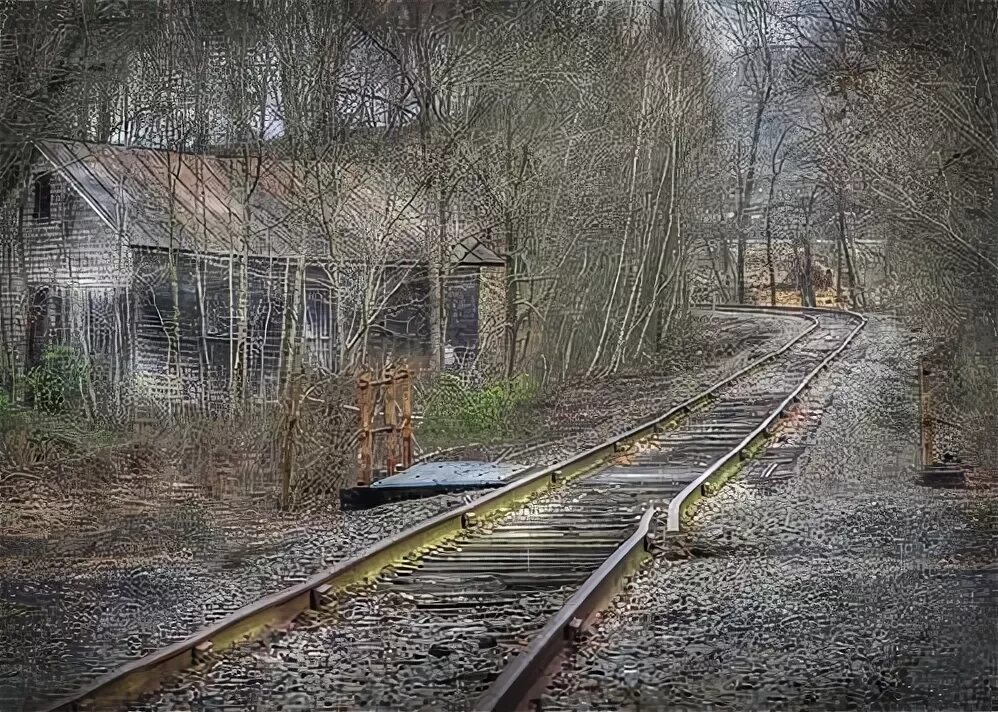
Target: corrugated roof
{"x": 196, "y": 202}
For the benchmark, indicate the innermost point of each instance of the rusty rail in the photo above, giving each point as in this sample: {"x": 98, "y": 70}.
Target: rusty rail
{"x": 715, "y": 475}
{"x": 522, "y": 678}
{"x": 522, "y": 681}
{"x": 260, "y": 617}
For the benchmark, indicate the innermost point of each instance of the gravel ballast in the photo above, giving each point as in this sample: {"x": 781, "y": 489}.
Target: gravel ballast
{"x": 75, "y": 608}
{"x": 433, "y": 634}
{"x": 847, "y": 585}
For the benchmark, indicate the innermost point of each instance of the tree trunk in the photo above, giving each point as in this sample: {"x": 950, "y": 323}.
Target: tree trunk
{"x": 242, "y": 326}
{"x": 512, "y": 296}
{"x": 740, "y": 265}
{"x": 638, "y": 292}
{"x": 776, "y": 168}
{"x": 292, "y": 387}
{"x": 436, "y": 295}
{"x": 846, "y": 253}
{"x": 655, "y": 307}
{"x": 177, "y": 367}
{"x": 769, "y": 255}
{"x": 747, "y": 188}
{"x": 838, "y": 264}
{"x": 601, "y": 344}
{"x": 172, "y": 327}
{"x": 807, "y": 283}
{"x": 18, "y": 371}
{"x": 805, "y": 267}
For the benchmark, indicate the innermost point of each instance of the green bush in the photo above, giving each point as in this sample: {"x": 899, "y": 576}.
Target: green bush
{"x": 56, "y": 384}
{"x": 455, "y": 409}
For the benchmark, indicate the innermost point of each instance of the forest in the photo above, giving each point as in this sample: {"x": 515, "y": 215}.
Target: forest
{"x": 216, "y": 213}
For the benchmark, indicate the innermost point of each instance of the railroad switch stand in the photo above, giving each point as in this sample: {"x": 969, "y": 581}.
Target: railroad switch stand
{"x": 393, "y": 390}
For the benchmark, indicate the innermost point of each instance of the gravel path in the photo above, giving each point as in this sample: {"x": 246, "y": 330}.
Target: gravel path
{"x": 434, "y": 633}
{"x": 843, "y": 586}
{"x": 74, "y": 605}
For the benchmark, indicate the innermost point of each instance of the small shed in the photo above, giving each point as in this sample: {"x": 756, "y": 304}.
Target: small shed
{"x": 178, "y": 274}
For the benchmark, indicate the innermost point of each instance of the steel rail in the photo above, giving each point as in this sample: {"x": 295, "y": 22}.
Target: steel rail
{"x": 723, "y": 468}
{"x": 266, "y": 614}
{"x": 513, "y": 688}
{"x": 522, "y": 680}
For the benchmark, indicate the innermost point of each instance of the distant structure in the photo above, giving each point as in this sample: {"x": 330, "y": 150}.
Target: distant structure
{"x": 116, "y": 240}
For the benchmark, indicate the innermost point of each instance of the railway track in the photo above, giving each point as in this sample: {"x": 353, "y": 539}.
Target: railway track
{"x": 467, "y": 611}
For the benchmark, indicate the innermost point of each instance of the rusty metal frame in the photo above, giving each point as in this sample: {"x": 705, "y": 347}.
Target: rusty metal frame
{"x": 390, "y": 390}
{"x": 264, "y": 615}
{"x": 394, "y": 389}
{"x": 365, "y": 407}
{"x": 404, "y": 376}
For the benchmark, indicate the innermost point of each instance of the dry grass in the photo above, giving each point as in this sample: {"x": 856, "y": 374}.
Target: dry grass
{"x": 61, "y": 482}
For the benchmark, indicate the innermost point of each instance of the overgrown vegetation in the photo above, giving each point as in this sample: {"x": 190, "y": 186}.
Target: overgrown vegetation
{"x": 59, "y": 383}
{"x": 627, "y": 160}
{"x": 456, "y": 410}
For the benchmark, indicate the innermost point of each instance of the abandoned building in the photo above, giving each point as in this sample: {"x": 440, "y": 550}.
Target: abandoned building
{"x": 177, "y": 272}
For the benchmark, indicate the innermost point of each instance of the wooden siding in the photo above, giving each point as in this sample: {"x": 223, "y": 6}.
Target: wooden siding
{"x": 461, "y": 310}
{"x": 207, "y": 304}
{"x": 73, "y": 246}
{"x": 207, "y": 288}
{"x": 127, "y": 332}
{"x": 87, "y": 285}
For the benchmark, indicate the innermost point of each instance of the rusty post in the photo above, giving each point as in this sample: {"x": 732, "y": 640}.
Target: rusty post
{"x": 405, "y": 376}
{"x": 926, "y": 417}
{"x": 365, "y": 406}
{"x": 391, "y": 421}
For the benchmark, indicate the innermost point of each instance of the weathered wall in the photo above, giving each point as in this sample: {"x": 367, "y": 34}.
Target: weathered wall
{"x": 207, "y": 290}
{"x": 84, "y": 286}
{"x": 73, "y": 247}
{"x": 461, "y": 313}
{"x": 72, "y": 286}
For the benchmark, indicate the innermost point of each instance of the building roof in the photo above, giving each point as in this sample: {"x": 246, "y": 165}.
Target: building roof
{"x": 267, "y": 207}
{"x": 470, "y": 252}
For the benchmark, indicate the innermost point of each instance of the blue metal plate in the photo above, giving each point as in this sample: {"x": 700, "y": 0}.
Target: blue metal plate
{"x": 463, "y": 473}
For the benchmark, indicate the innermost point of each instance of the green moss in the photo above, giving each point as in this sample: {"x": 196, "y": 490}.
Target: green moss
{"x": 454, "y": 410}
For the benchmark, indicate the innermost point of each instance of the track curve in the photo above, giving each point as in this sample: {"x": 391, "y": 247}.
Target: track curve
{"x": 436, "y": 630}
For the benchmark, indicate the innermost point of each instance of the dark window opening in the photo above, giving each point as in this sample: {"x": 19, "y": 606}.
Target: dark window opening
{"x": 43, "y": 197}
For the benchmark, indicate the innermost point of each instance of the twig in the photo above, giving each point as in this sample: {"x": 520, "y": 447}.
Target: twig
{"x": 22, "y": 475}
{"x": 441, "y": 451}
